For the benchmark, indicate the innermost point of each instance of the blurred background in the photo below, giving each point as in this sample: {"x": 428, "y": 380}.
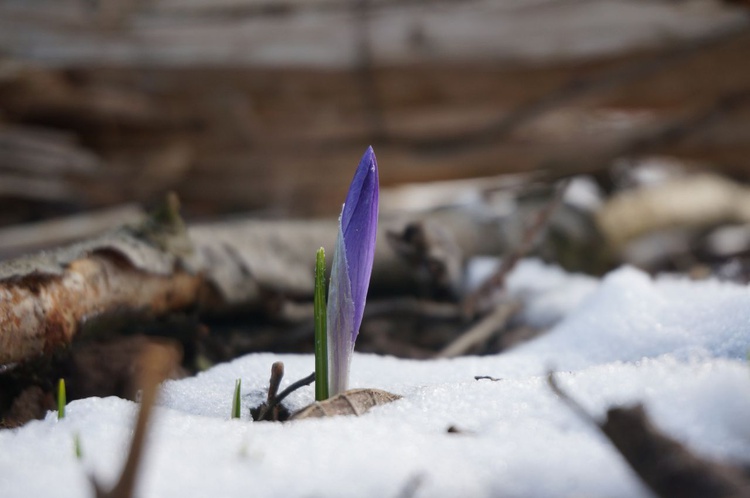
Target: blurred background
{"x": 262, "y": 108}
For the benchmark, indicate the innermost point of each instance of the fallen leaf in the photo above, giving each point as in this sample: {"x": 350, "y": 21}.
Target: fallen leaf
{"x": 351, "y": 402}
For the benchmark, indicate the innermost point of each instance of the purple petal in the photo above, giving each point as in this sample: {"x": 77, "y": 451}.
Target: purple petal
{"x": 351, "y": 270}
{"x": 340, "y": 318}
{"x": 359, "y": 223}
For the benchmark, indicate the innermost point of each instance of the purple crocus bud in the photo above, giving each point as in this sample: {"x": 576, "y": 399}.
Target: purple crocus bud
{"x": 352, "y": 267}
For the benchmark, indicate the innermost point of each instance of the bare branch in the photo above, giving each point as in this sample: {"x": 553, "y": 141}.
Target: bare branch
{"x": 572, "y": 404}
{"x": 529, "y": 240}
{"x": 480, "y": 333}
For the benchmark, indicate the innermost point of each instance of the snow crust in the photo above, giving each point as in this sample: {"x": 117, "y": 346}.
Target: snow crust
{"x": 677, "y": 346}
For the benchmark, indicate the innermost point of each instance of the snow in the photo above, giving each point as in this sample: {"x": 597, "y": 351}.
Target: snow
{"x": 675, "y": 345}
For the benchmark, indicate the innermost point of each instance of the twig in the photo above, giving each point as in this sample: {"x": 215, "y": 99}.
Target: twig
{"x": 267, "y": 411}
{"x": 380, "y": 340}
{"x": 482, "y": 331}
{"x": 277, "y": 373}
{"x": 513, "y": 336}
{"x": 572, "y": 404}
{"x": 398, "y": 306}
{"x": 413, "y": 306}
{"x": 155, "y": 364}
{"x": 487, "y": 377}
{"x": 528, "y": 241}
{"x": 305, "y": 381}
{"x": 667, "y": 467}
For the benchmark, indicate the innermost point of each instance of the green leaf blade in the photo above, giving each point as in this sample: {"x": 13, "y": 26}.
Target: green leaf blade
{"x": 236, "y": 399}
{"x": 77, "y": 448}
{"x": 321, "y": 337}
{"x": 61, "y": 399}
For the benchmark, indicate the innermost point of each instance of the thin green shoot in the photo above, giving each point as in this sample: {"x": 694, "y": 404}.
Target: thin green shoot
{"x": 61, "y": 399}
{"x": 236, "y": 399}
{"x": 77, "y": 446}
{"x": 321, "y": 338}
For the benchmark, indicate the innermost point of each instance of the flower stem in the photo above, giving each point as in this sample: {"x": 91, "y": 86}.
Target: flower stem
{"x": 321, "y": 340}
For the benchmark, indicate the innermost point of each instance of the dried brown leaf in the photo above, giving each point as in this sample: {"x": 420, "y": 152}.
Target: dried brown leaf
{"x": 351, "y": 402}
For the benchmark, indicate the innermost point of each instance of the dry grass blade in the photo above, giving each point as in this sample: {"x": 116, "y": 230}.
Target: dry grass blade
{"x": 155, "y": 364}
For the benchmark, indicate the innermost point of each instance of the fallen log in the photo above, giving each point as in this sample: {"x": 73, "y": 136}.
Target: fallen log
{"x": 160, "y": 266}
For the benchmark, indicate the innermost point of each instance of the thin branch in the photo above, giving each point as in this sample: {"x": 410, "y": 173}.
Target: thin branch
{"x": 267, "y": 410}
{"x": 529, "y": 240}
{"x": 277, "y": 373}
{"x": 305, "y": 381}
{"x": 412, "y": 306}
{"x": 572, "y": 404}
{"x": 273, "y": 403}
{"x": 482, "y": 331}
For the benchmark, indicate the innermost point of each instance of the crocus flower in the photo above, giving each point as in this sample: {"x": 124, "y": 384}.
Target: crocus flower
{"x": 351, "y": 270}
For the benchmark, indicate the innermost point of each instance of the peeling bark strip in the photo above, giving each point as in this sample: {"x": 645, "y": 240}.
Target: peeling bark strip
{"x": 351, "y": 402}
